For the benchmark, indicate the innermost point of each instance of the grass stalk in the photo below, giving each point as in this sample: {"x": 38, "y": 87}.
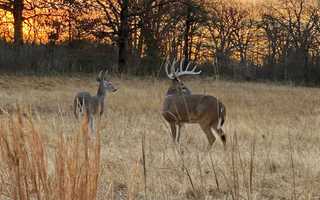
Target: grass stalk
{"x": 24, "y": 152}
{"x": 214, "y": 171}
{"x": 292, "y": 167}
{"x": 130, "y": 193}
{"x": 144, "y": 165}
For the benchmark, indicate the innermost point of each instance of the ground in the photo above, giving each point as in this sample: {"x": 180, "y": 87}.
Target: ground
{"x": 272, "y": 138}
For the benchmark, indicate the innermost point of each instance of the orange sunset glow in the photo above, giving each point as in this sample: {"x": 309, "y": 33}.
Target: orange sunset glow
{"x": 247, "y": 32}
{"x": 40, "y": 20}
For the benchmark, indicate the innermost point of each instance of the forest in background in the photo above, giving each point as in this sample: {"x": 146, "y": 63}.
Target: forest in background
{"x": 239, "y": 40}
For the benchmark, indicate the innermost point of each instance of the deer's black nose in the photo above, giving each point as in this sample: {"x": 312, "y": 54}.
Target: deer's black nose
{"x": 114, "y": 90}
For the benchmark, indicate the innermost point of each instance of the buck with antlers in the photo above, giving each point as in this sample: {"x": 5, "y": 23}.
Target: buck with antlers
{"x": 181, "y": 106}
{"x": 84, "y": 102}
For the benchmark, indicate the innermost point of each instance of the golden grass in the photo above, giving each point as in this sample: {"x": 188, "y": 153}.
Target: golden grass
{"x": 29, "y": 172}
{"x": 272, "y": 143}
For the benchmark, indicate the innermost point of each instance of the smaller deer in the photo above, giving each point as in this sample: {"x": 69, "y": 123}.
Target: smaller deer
{"x": 84, "y": 102}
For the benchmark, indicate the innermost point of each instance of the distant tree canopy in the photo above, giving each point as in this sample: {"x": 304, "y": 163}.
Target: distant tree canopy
{"x": 271, "y": 40}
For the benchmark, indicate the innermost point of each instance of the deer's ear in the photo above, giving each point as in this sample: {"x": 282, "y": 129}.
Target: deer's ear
{"x": 98, "y": 79}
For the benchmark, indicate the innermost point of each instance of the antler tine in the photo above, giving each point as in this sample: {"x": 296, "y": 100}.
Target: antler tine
{"x": 100, "y": 73}
{"x": 194, "y": 69}
{"x": 188, "y": 66}
{"x": 166, "y": 68}
{"x": 105, "y": 75}
{"x": 174, "y": 74}
{"x": 184, "y": 72}
{"x": 172, "y": 68}
{"x": 181, "y": 63}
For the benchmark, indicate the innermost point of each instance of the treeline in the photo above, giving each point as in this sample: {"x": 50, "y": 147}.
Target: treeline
{"x": 254, "y": 41}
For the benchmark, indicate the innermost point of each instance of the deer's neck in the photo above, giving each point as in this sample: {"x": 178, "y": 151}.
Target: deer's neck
{"x": 101, "y": 94}
{"x": 171, "y": 91}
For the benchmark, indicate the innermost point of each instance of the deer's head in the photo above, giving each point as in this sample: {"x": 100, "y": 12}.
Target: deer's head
{"x": 177, "y": 87}
{"x": 105, "y": 85}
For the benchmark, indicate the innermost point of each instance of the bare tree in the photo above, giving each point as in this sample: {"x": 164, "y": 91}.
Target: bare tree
{"x": 298, "y": 19}
{"x": 276, "y": 44}
{"x": 231, "y": 30}
{"x": 26, "y": 13}
{"x": 244, "y": 35}
{"x": 151, "y": 31}
{"x": 120, "y": 20}
{"x": 193, "y": 15}
{"x": 15, "y": 7}
{"x": 221, "y": 27}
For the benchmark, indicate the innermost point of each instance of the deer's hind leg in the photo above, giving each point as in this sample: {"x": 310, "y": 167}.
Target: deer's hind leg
{"x": 89, "y": 119}
{"x": 206, "y": 127}
{"x": 222, "y": 135}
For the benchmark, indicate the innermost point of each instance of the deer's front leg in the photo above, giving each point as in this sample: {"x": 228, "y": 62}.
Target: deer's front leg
{"x": 176, "y": 129}
{"x": 174, "y": 134}
{"x": 91, "y": 125}
{"x": 101, "y": 108}
{"x": 180, "y": 127}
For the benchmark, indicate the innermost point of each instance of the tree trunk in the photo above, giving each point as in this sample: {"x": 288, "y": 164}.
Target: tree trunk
{"x": 18, "y": 21}
{"x": 186, "y": 40}
{"x": 123, "y": 38}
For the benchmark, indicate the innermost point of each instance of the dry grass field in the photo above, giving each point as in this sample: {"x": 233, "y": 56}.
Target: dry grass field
{"x": 273, "y": 143}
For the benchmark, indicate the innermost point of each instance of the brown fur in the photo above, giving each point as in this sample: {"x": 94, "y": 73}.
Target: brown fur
{"x": 179, "y": 108}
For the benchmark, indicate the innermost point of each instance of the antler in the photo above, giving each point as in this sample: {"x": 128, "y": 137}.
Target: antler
{"x": 172, "y": 74}
{"x": 104, "y": 76}
{"x": 175, "y": 74}
{"x": 186, "y": 71}
{"x": 100, "y": 73}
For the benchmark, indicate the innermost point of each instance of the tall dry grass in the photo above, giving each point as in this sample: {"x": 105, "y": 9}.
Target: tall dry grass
{"x": 26, "y": 169}
{"x": 272, "y": 138}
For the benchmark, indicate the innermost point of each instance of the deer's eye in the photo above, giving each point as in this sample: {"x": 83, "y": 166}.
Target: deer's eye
{"x": 183, "y": 87}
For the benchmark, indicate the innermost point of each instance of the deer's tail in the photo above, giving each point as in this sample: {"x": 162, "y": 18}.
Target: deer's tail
{"x": 222, "y": 115}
